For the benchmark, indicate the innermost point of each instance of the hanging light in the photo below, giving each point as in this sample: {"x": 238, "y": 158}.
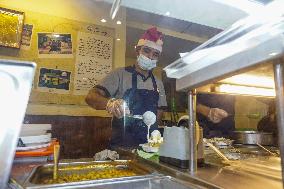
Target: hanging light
{"x": 103, "y": 20}
{"x": 114, "y": 9}
{"x": 245, "y": 90}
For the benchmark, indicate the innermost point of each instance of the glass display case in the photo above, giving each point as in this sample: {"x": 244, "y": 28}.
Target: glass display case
{"x": 247, "y": 58}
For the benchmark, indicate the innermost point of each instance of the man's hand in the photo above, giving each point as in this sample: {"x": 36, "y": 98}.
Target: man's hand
{"x": 117, "y": 107}
{"x": 216, "y": 115}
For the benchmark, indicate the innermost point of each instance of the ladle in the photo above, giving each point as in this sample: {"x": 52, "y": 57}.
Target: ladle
{"x": 216, "y": 150}
{"x": 271, "y": 153}
{"x": 56, "y": 150}
{"x": 149, "y": 118}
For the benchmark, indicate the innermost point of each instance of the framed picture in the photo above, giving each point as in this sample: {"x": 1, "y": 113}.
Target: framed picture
{"x": 54, "y": 81}
{"x": 54, "y": 45}
{"x": 11, "y": 27}
{"x": 27, "y": 36}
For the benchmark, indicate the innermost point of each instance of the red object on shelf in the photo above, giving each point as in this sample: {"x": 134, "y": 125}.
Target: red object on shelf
{"x": 47, "y": 151}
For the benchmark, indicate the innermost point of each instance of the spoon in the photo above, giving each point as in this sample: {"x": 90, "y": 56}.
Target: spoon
{"x": 56, "y": 150}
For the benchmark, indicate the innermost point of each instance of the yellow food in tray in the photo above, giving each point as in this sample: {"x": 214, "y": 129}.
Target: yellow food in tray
{"x": 92, "y": 175}
{"x": 155, "y": 144}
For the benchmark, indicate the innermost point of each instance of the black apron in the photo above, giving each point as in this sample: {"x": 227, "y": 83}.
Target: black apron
{"x": 130, "y": 132}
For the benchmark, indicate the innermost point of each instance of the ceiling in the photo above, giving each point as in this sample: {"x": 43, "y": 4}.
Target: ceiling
{"x": 189, "y": 24}
{"x": 214, "y": 13}
{"x": 181, "y": 35}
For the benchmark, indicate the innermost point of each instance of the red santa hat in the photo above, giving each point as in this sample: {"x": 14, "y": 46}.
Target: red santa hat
{"x": 151, "y": 38}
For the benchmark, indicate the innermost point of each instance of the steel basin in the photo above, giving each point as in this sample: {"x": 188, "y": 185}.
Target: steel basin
{"x": 44, "y": 172}
{"x": 253, "y": 137}
{"x": 145, "y": 176}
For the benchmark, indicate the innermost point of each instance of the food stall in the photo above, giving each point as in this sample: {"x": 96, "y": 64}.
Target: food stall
{"x": 202, "y": 70}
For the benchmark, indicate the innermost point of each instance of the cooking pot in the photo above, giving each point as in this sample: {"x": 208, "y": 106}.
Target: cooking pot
{"x": 253, "y": 137}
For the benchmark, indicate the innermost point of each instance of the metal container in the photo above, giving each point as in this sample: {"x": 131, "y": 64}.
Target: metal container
{"x": 44, "y": 172}
{"x": 15, "y": 85}
{"x": 253, "y": 137}
{"x": 146, "y": 177}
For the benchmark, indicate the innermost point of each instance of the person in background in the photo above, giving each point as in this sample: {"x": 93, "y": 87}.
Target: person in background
{"x": 137, "y": 88}
{"x": 215, "y": 114}
{"x": 268, "y": 123}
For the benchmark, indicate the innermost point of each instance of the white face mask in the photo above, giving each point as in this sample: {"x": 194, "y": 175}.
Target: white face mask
{"x": 146, "y": 63}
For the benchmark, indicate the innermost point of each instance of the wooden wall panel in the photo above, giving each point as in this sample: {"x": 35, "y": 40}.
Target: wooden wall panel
{"x": 79, "y": 136}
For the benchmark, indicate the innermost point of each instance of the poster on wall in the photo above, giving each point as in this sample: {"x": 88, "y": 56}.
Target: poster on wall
{"x": 27, "y": 36}
{"x": 54, "y": 81}
{"x": 93, "y": 61}
{"x": 54, "y": 45}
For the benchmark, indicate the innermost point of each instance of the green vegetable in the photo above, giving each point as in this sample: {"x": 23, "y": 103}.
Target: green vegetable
{"x": 246, "y": 129}
{"x": 146, "y": 155}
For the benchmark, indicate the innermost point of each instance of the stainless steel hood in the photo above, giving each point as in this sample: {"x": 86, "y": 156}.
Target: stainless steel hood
{"x": 15, "y": 84}
{"x": 248, "y": 43}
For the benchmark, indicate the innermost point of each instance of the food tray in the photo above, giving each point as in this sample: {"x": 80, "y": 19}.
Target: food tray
{"x": 42, "y": 175}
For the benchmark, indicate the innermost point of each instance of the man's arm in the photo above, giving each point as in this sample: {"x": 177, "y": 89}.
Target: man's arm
{"x": 97, "y": 99}
{"x": 202, "y": 109}
{"x": 213, "y": 114}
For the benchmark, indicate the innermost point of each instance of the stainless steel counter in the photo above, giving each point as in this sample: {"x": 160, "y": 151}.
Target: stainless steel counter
{"x": 223, "y": 177}
{"x": 208, "y": 176}
{"x": 21, "y": 174}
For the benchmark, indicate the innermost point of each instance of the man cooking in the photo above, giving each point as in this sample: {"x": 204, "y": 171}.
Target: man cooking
{"x": 268, "y": 123}
{"x": 132, "y": 90}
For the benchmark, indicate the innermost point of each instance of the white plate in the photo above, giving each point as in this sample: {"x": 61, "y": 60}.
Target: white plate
{"x": 148, "y": 148}
{"x": 35, "y": 144}
{"x": 32, "y": 147}
{"x": 223, "y": 143}
{"x": 34, "y": 129}
{"x": 36, "y": 139}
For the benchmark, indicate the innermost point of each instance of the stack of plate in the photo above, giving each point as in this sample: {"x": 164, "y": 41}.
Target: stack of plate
{"x": 34, "y": 136}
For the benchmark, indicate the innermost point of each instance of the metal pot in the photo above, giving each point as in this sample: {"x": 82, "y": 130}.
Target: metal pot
{"x": 253, "y": 137}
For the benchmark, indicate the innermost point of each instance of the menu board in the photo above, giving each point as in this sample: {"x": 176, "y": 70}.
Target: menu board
{"x": 93, "y": 61}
